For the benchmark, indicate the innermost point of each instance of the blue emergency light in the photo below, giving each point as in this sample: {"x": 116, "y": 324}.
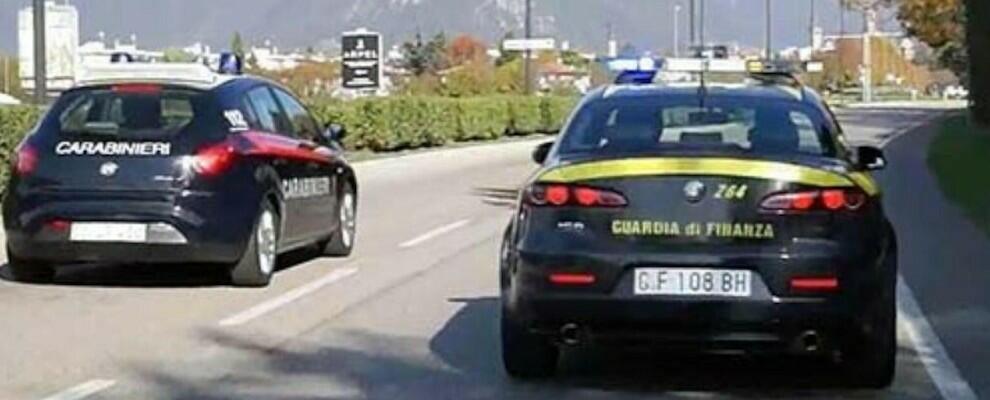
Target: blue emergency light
{"x": 640, "y": 71}
{"x": 230, "y": 64}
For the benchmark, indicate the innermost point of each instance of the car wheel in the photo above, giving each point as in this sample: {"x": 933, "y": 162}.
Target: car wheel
{"x": 526, "y": 355}
{"x": 256, "y": 267}
{"x": 872, "y": 362}
{"x": 341, "y": 242}
{"x": 29, "y": 271}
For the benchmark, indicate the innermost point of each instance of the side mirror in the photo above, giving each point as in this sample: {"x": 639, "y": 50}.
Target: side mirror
{"x": 541, "y": 152}
{"x": 334, "y": 133}
{"x": 870, "y": 158}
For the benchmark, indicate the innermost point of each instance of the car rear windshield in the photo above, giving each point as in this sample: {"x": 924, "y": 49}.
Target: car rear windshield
{"x": 131, "y": 111}
{"x": 719, "y": 124}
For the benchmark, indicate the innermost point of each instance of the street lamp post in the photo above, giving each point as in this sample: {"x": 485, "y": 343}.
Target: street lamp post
{"x": 40, "y": 74}
{"x": 768, "y": 40}
{"x": 527, "y": 68}
{"x": 677, "y": 30}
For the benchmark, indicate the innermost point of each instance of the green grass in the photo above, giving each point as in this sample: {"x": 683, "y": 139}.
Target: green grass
{"x": 960, "y": 158}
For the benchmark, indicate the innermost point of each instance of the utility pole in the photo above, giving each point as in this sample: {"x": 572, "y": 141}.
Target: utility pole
{"x": 701, "y": 22}
{"x": 677, "y": 30}
{"x": 6, "y": 75}
{"x": 811, "y": 27}
{"x": 768, "y": 40}
{"x": 692, "y": 9}
{"x": 869, "y": 22}
{"x": 40, "y": 58}
{"x": 527, "y": 67}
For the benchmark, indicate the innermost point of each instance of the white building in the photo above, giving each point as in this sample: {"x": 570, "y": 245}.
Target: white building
{"x": 61, "y": 45}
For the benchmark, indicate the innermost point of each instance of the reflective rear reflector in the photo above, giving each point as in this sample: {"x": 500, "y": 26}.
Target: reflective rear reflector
{"x": 59, "y": 225}
{"x": 572, "y": 279}
{"x": 816, "y": 284}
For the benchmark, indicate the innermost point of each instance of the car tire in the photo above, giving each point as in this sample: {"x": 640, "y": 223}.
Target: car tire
{"x": 872, "y": 361}
{"x": 341, "y": 242}
{"x": 257, "y": 265}
{"x": 26, "y": 271}
{"x": 525, "y": 355}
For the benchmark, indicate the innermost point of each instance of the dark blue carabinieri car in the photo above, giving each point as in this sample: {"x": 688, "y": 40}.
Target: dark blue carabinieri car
{"x": 166, "y": 163}
{"x": 703, "y": 217}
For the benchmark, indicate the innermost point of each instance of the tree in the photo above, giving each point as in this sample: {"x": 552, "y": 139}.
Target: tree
{"x": 174, "y": 55}
{"x": 425, "y": 57}
{"x": 237, "y": 45}
{"x": 506, "y": 56}
{"x": 978, "y": 40}
{"x": 465, "y": 49}
{"x": 941, "y": 25}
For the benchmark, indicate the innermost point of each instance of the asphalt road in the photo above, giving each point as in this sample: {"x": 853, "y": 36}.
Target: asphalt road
{"x": 413, "y": 313}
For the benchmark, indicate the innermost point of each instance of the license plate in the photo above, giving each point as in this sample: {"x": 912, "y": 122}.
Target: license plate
{"x": 693, "y": 282}
{"x": 108, "y": 232}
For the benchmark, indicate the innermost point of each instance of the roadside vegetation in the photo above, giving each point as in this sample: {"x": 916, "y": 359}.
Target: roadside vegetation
{"x": 958, "y": 157}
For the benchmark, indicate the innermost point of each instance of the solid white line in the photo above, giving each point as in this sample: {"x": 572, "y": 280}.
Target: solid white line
{"x": 434, "y": 233}
{"x": 941, "y": 369}
{"x": 83, "y": 390}
{"x": 286, "y": 298}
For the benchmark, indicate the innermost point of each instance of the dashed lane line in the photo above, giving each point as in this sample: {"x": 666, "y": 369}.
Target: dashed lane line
{"x": 443, "y": 230}
{"x": 83, "y": 390}
{"x": 286, "y": 298}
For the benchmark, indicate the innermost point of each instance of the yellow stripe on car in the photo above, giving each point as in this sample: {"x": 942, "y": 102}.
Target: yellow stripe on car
{"x": 755, "y": 169}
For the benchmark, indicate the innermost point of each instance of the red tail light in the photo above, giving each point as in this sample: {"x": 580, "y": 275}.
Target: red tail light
{"x": 572, "y": 279}
{"x": 829, "y": 200}
{"x": 214, "y": 160}
{"x": 26, "y": 160}
{"x": 815, "y": 284}
{"x": 559, "y": 195}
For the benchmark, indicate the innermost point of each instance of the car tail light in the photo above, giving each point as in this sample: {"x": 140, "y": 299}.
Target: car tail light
{"x": 572, "y": 279}
{"x": 26, "y": 160}
{"x": 558, "y": 195}
{"x": 815, "y": 284}
{"x": 214, "y": 160}
{"x": 829, "y": 200}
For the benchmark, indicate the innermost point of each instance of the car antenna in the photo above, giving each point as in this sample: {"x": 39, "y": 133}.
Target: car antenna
{"x": 702, "y": 89}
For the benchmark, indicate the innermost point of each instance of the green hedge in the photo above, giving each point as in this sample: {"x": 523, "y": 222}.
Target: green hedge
{"x": 400, "y": 123}
{"x": 15, "y": 122}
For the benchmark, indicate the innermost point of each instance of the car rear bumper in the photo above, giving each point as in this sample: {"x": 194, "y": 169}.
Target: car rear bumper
{"x": 211, "y": 230}
{"x": 771, "y": 319}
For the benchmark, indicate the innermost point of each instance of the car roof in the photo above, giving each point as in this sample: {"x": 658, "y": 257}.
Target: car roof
{"x": 750, "y": 89}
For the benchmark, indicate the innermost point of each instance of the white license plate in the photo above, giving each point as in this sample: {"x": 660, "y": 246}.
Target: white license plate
{"x": 693, "y": 282}
{"x": 108, "y": 232}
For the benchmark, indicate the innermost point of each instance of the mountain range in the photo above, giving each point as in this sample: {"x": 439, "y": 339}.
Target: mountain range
{"x": 645, "y": 24}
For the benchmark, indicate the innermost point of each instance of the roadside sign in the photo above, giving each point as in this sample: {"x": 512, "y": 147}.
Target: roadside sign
{"x": 361, "y": 54}
{"x": 814, "y": 66}
{"x": 529, "y": 44}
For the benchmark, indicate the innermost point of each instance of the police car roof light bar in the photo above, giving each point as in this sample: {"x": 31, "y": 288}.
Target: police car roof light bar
{"x": 182, "y": 73}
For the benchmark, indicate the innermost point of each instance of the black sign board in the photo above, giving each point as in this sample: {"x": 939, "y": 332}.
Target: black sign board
{"x": 361, "y": 60}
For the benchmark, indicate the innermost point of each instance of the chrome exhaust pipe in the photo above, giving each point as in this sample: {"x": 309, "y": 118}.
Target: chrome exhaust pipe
{"x": 810, "y": 341}
{"x": 570, "y": 334}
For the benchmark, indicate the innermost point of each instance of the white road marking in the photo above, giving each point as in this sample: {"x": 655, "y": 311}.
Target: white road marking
{"x": 941, "y": 369}
{"x": 286, "y": 298}
{"x": 435, "y": 233}
{"x": 83, "y": 390}
{"x": 910, "y": 128}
